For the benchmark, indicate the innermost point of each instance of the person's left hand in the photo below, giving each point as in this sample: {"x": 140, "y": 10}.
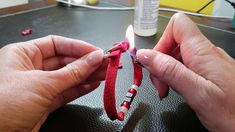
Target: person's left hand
{"x": 41, "y": 75}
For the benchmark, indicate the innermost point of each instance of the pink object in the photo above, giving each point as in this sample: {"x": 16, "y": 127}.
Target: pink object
{"x": 126, "y": 104}
{"x": 26, "y": 32}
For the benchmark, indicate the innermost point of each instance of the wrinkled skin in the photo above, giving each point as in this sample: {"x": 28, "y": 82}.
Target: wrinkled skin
{"x": 39, "y": 76}
{"x": 200, "y": 72}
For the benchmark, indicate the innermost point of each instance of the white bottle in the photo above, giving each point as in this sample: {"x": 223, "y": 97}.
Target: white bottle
{"x": 146, "y": 17}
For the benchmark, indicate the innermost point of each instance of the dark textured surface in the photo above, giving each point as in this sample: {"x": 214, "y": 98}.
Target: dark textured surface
{"x": 103, "y": 28}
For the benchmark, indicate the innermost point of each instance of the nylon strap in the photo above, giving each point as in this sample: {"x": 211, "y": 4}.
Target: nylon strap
{"x": 110, "y": 81}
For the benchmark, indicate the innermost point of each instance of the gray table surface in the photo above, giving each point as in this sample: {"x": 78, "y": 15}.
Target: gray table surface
{"x": 103, "y": 28}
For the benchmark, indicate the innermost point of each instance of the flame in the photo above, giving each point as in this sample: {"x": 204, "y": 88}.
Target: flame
{"x": 130, "y": 36}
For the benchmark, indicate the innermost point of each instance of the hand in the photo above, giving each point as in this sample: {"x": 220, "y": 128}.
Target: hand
{"x": 39, "y": 76}
{"x": 205, "y": 78}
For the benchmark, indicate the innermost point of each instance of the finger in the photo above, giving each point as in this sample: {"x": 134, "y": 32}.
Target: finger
{"x": 176, "y": 32}
{"x": 56, "y": 62}
{"x": 161, "y": 87}
{"x": 182, "y": 32}
{"x": 167, "y": 42}
{"x": 175, "y": 53}
{"x": 56, "y": 45}
{"x": 173, "y": 73}
{"x": 66, "y": 97}
{"x": 99, "y": 74}
{"x": 72, "y": 94}
{"x": 75, "y": 72}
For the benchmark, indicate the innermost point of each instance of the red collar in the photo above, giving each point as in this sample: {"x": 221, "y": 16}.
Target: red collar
{"x": 110, "y": 80}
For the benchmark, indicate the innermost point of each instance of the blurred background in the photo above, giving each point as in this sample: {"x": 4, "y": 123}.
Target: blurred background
{"x": 214, "y": 7}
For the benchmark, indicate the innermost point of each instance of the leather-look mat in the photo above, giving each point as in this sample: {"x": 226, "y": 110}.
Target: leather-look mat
{"x": 103, "y": 28}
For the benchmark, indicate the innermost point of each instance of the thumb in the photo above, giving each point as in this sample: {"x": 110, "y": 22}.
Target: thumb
{"x": 172, "y": 72}
{"x": 77, "y": 71}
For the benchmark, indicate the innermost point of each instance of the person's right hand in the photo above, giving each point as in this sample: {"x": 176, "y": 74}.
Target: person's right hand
{"x": 205, "y": 79}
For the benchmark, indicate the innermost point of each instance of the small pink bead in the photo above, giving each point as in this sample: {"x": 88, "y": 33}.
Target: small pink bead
{"x": 121, "y": 116}
{"x": 27, "y": 32}
{"x": 126, "y": 104}
{"x": 133, "y": 91}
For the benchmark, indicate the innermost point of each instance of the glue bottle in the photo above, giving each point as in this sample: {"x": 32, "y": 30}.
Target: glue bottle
{"x": 146, "y": 17}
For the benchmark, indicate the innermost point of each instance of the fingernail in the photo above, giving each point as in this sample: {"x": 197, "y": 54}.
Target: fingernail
{"x": 145, "y": 56}
{"x": 95, "y": 57}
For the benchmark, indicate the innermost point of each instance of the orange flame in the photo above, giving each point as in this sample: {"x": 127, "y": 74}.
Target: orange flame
{"x": 130, "y": 37}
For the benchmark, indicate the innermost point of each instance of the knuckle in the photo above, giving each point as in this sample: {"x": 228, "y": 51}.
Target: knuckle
{"x": 51, "y": 37}
{"x": 75, "y": 72}
{"x": 220, "y": 49}
{"x": 222, "y": 53}
{"x": 204, "y": 46}
{"x": 64, "y": 99}
{"x": 200, "y": 103}
{"x": 207, "y": 97}
{"x": 178, "y": 15}
{"x": 169, "y": 69}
